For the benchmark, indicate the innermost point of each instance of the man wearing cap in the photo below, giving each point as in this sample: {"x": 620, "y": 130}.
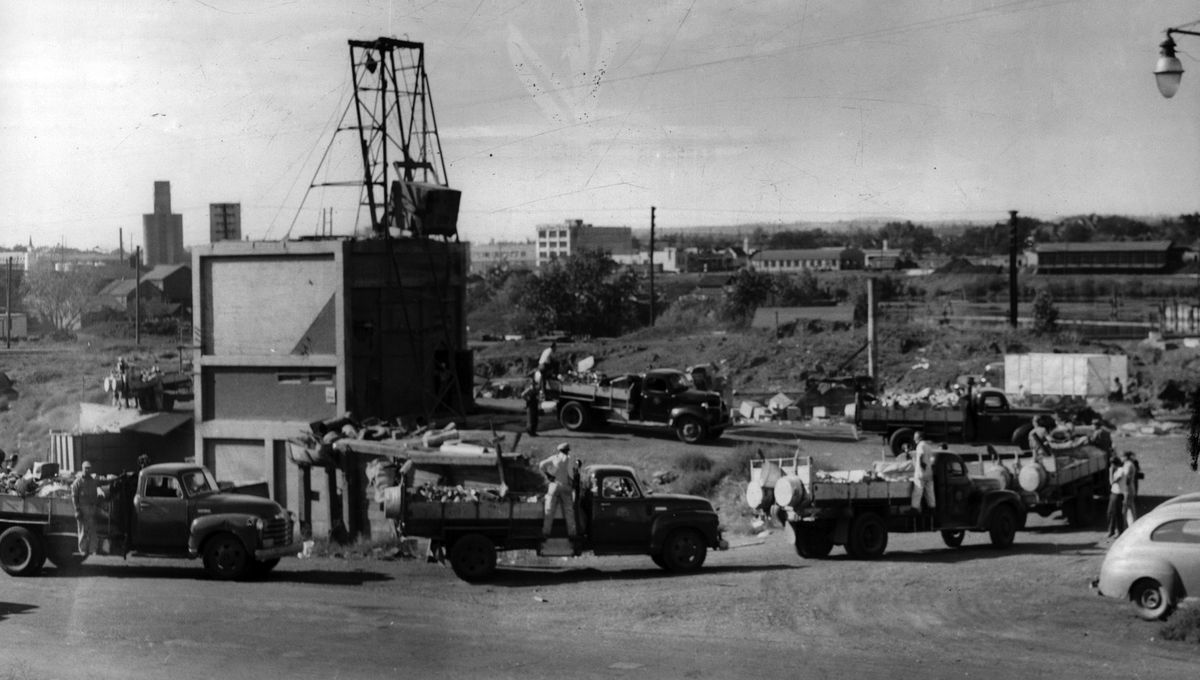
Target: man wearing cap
{"x": 923, "y": 457}
{"x": 557, "y": 469}
{"x": 85, "y": 494}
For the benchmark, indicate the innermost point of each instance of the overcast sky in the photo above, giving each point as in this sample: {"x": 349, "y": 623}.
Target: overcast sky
{"x": 716, "y": 112}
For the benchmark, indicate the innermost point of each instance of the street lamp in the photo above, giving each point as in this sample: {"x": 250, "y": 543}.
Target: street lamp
{"x": 1169, "y": 71}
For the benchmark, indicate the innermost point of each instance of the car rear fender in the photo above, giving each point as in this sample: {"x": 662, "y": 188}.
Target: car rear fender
{"x": 1115, "y": 581}
{"x": 239, "y": 524}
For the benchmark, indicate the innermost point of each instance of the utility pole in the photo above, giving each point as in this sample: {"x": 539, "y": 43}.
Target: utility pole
{"x": 871, "y": 339}
{"x": 1013, "y": 244}
{"x": 651, "y": 266}
{"x": 8, "y": 308}
{"x": 137, "y": 297}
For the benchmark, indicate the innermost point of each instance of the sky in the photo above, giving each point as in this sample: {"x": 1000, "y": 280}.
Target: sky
{"x": 714, "y": 112}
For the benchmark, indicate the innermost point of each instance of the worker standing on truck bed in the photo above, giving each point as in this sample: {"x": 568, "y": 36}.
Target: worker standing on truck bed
{"x": 923, "y": 473}
{"x": 544, "y": 362}
{"x": 85, "y": 494}
{"x": 557, "y": 469}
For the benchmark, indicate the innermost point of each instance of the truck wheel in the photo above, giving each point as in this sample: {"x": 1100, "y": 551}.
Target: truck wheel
{"x": 574, "y": 416}
{"x": 473, "y": 558}
{"x": 1020, "y": 436}
{"x": 690, "y": 430}
{"x": 811, "y": 542}
{"x": 953, "y": 539}
{"x": 21, "y": 552}
{"x": 1083, "y": 508}
{"x": 684, "y": 551}
{"x": 225, "y": 558}
{"x": 1150, "y": 600}
{"x": 1002, "y": 526}
{"x": 902, "y": 441}
{"x": 260, "y": 568}
{"x": 868, "y": 537}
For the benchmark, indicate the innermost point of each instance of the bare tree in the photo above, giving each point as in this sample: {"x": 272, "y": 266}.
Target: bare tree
{"x": 59, "y": 298}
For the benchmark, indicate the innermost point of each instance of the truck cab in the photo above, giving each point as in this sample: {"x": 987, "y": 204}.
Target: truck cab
{"x": 179, "y": 510}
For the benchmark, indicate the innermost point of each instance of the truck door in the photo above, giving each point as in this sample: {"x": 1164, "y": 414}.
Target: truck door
{"x": 952, "y": 487}
{"x": 161, "y": 520}
{"x": 656, "y": 399}
{"x": 620, "y": 515}
{"x": 993, "y": 417}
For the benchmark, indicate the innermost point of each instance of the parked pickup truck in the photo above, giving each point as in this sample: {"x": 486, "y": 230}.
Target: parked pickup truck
{"x": 613, "y": 514}
{"x": 661, "y": 397}
{"x": 983, "y": 416}
{"x": 857, "y": 508}
{"x": 1069, "y": 478}
{"x": 168, "y": 510}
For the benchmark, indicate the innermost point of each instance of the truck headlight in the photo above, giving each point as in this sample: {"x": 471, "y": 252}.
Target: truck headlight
{"x": 255, "y": 522}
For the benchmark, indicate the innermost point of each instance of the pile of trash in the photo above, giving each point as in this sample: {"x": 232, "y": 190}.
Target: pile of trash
{"x": 316, "y": 447}
{"x": 42, "y": 481}
{"x": 938, "y": 398}
{"x": 454, "y": 494}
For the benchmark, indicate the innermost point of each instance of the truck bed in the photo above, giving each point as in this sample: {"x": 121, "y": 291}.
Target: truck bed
{"x": 605, "y": 396}
{"x": 888, "y": 482}
{"x": 26, "y": 508}
{"x": 916, "y": 417}
{"x": 522, "y": 520}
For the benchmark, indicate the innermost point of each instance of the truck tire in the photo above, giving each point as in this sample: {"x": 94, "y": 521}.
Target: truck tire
{"x": 868, "y": 537}
{"x": 574, "y": 416}
{"x": 953, "y": 539}
{"x": 473, "y": 558}
{"x": 691, "y": 430}
{"x": 1150, "y": 599}
{"x": 684, "y": 551}
{"x": 1020, "y": 436}
{"x": 811, "y": 542}
{"x": 21, "y": 552}
{"x": 260, "y": 568}
{"x": 225, "y": 557}
{"x": 902, "y": 441}
{"x": 1002, "y": 526}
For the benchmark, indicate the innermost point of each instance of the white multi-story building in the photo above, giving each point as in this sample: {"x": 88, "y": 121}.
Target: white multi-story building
{"x": 574, "y": 237}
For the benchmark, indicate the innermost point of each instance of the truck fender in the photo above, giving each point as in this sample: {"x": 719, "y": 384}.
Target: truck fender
{"x": 998, "y": 498}
{"x": 238, "y": 524}
{"x": 680, "y": 411}
{"x": 663, "y": 525}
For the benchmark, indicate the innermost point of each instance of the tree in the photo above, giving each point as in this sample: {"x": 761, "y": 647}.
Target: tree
{"x": 1045, "y": 314}
{"x": 60, "y": 298}
{"x": 582, "y": 294}
{"x": 750, "y": 289}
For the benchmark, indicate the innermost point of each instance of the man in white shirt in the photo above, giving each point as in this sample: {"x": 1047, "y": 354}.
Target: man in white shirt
{"x": 923, "y": 457}
{"x": 557, "y": 469}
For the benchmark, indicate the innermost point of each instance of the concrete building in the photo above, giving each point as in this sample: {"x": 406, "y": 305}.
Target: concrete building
{"x": 162, "y": 231}
{"x": 812, "y": 259}
{"x": 574, "y": 237}
{"x": 517, "y": 255}
{"x": 224, "y": 222}
{"x": 294, "y": 332}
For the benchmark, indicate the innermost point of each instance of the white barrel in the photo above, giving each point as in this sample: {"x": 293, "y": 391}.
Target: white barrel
{"x": 789, "y": 492}
{"x": 999, "y": 473}
{"x": 754, "y": 495}
{"x": 1032, "y": 477}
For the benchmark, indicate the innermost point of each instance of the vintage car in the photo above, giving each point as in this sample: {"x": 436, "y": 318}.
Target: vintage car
{"x": 1156, "y": 562}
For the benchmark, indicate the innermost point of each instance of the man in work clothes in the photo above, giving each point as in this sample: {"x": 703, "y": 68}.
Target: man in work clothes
{"x": 544, "y": 362}
{"x": 557, "y": 469}
{"x": 533, "y": 406}
{"x": 85, "y": 494}
{"x": 923, "y": 457}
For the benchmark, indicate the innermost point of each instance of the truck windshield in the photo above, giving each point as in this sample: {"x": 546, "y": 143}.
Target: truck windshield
{"x": 198, "y": 482}
{"x": 678, "y": 382}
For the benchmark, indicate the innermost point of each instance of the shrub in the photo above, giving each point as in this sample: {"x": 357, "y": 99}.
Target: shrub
{"x": 1184, "y": 626}
{"x": 695, "y": 462}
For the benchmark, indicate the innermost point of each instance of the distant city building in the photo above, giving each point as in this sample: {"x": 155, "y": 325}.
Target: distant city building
{"x": 515, "y": 255}
{"x": 1109, "y": 257}
{"x": 162, "y": 231}
{"x": 574, "y": 237}
{"x": 811, "y": 259}
{"x": 665, "y": 260}
{"x": 224, "y": 222}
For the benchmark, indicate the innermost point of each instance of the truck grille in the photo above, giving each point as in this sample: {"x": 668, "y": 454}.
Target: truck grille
{"x": 277, "y": 531}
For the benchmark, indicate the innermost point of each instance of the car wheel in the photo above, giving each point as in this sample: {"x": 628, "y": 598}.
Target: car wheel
{"x": 684, "y": 551}
{"x": 1002, "y": 526}
{"x": 225, "y": 558}
{"x": 690, "y": 430}
{"x": 473, "y": 558}
{"x": 902, "y": 441}
{"x": 1150, "y": 599}
{"x": 953, "y": 539}
{"x": 21, "y": 552}
{"x": 868, "y": 537}
{"x": 573, "y": 416}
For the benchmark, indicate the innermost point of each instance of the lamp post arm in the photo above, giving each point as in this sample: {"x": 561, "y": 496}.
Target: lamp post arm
{"x": 1181, "y": 31}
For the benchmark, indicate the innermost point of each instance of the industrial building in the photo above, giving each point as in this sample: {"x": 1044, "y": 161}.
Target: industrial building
{"x": 162, "y": 231}
{"x": 573, "y": 237}
{"x": 811, "y": 259}
{"x": 295, "y": 332}
{"x": 1110, "y": 257}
